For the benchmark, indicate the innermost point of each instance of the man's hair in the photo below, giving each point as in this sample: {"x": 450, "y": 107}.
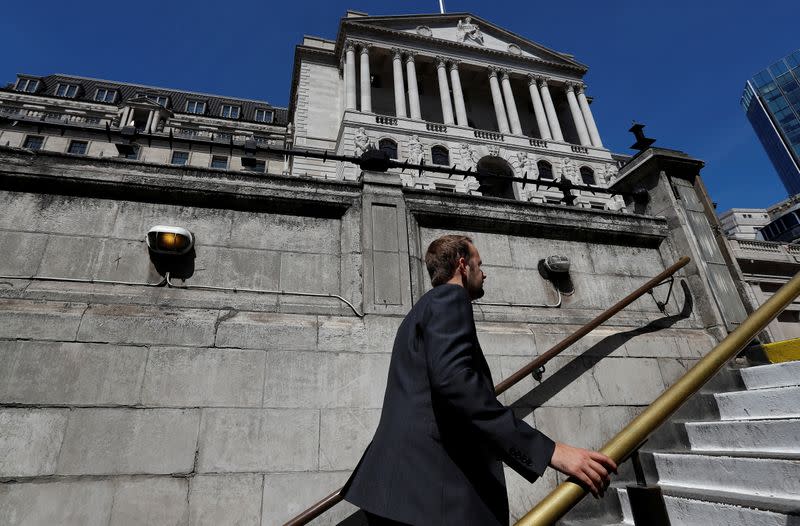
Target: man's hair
{"x": 442, "y": 257}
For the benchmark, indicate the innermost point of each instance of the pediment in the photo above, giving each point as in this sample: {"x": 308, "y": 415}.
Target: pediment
{"x": 468, "y": 30}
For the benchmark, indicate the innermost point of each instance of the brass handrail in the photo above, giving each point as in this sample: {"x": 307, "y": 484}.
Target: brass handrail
{"x": 334, "y": 498}
{"x": 568, "y": 493}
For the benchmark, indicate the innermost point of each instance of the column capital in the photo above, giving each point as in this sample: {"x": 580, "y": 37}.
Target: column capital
{"x": 441, "y": 61}
{"x": 542, "y": 81}
{"x": 364, "y": 47}
{"x": 504, "y": 74}
{"x": 580, "y": 88}
{"x": 493, "y": 71}
{"x": 452, "y": 64}
{"x": 397, "y": 52}
{"x": 349, "y": 45}
{"x": 570, "y": 86}
{"x": 409, "y": 55}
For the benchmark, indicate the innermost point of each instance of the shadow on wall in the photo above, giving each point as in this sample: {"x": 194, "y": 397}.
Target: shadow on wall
{"x": 589, "y": 358}
{"x": 178, "y": 266}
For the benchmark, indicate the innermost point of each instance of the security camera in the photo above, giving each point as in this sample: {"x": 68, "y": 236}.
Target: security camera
{"x": 175, "y": 240}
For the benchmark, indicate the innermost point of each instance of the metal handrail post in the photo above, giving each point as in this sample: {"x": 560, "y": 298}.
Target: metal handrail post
{"x": 567, "y": 494}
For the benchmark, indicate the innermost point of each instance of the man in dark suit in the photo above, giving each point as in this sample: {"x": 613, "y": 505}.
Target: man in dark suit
{"x": 436, "y": 457}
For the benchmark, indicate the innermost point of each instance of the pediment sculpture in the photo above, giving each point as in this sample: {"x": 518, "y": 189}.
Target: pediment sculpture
{"x": 467, "y": 30}
{"x": 362, "y": 142}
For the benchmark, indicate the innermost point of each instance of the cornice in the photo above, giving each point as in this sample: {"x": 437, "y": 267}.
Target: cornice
{"x": 413, "y": 37}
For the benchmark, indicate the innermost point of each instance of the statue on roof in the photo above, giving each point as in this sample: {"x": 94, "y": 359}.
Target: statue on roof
{"x": 468, "y": 30}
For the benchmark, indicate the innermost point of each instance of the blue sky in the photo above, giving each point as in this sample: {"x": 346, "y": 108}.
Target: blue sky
{"x": 677, "y": 66}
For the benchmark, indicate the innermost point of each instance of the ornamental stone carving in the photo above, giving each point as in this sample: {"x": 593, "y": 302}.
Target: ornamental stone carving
{"x": 610, "y": 172}
{"x": 494, "y": 150}
{"x": 527, "y": 165}
{"x": 514, "y": 49}
{"x": 469, "y": 157}
{"x": 424, "y": 31}
{"x": 362, "y": 142}
{"x": 415, "y": 150}
{"x": 468, "y": 31}
{"x": 568, "y": 169}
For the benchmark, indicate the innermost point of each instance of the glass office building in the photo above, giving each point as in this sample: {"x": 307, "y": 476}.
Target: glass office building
{"x": 771, "y": 101}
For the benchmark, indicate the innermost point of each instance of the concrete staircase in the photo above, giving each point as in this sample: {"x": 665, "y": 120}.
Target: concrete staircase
{"x": 738, "y": 464}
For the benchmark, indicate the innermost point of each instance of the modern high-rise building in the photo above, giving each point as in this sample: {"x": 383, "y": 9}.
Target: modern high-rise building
{"x": 771, "y": 100}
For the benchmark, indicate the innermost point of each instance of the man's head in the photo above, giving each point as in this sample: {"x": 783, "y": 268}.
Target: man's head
{"x": 454, "y": 259}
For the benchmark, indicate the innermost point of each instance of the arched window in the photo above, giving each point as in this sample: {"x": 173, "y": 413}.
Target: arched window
{"x": 500, "y": 185}
{"x": 388, "y": 146}
{"x": 440, "y": 155}
{"x": 587, "y": 175}
{"x": 545, "y": 170}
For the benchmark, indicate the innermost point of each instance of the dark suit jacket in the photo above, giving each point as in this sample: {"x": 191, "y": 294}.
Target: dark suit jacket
{"x": 436, "y": 456}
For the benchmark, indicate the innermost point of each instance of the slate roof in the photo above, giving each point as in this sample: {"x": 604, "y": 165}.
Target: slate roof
{"x": 177, "y": 98}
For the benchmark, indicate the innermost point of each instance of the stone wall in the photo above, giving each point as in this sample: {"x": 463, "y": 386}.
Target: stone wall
{"x": 134, "y": 404}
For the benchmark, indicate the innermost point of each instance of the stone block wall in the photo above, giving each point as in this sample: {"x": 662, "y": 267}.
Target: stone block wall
{"x": 127, "y": 404}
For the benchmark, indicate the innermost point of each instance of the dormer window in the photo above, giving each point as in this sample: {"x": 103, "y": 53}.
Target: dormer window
{"x": 66, "y": 90}
{"x": 105, "y": 95}
{"x": 230, "y": 111}
{"x": 263, "y": 115}
{"x": 161, "y": 100}
{"x": 195, "y": 106}
{"x": 27, "y": 85}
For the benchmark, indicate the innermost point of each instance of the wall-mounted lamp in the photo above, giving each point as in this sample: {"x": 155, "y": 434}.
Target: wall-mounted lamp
{"x": 175, "y": 240}
{"x": 555, "y": 269}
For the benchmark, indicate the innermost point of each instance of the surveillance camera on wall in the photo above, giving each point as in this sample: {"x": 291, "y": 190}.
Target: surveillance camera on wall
{"x": 175, "y": 240}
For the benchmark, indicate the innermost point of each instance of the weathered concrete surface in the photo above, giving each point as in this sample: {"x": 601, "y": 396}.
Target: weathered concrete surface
{"x": 226, "y": 499}
{"x": 73, "y": 503}
{"x": 129, "y": 441}
{"x": 30, "y": 441}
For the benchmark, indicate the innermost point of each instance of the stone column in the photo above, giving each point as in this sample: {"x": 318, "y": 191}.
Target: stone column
{"x": 458, "y": 94}
{"x": 366, "y": 88}
{"x": 154, "y": 124}
{"x": 594, "y": 135}
{"x": 350, "y": 75}
{"x": 399, "y": 85}
{"x": 149, "y": 121}
{"x": 444, "y": 91}
{"x": 550, "y": 110}
{"x": 577, "y": 117}
{"x": 511, "y": 104}
{"x": 538, "y": 108}
{"x": 497, "y": 100}
{"x": 125, "y": 117}
{"x": 413, "y": 91}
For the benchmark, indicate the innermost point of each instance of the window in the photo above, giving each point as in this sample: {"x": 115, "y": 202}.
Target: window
{"x": 105, "y": 95}
{"x": 597, "y": 206}
{"x": 388, "y": 146}
{"x": 161, "y": 100}
{"x": 180, "y": 158}
{"x": 263, "y": 115}
{"x": 67, "y": 90}
{"x": 33, "y": 142}
{"x": 545, "y": 170}
{"x": 587, "y": 175}
{"x": 27, "y": 85}
{"x": 256, "y": 165}
{"x": 219, "y": 161}
{"x": 440, "y": 155}
{"x": 229, "y": 111}
{"x": 195, "y": 106}
{"x": 131, "y": 152}
{"x": 78, "y": 147}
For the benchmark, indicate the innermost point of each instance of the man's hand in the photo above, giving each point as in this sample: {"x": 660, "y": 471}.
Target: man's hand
{"x": 589, "y": 467}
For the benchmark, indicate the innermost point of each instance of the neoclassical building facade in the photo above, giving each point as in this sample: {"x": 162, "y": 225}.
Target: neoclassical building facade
{"x": 451, "y": 90}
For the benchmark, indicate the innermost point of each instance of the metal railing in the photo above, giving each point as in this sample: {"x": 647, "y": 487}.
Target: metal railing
{"x": 533, "y": 367}
{"x": 568, "y": 493}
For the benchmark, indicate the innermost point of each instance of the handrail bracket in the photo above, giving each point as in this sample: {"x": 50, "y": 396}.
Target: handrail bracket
{"x": 662, "y": 305}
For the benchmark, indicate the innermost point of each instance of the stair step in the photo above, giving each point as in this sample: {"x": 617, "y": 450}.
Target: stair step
{"x": 774, "y": 402}
{"x": 690, "y": 512}
{"x": 772, "y": 375}
{"x": 756, "y": 436}
{"x": 772, "y": 504}
{"x": 766, "y": 477}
